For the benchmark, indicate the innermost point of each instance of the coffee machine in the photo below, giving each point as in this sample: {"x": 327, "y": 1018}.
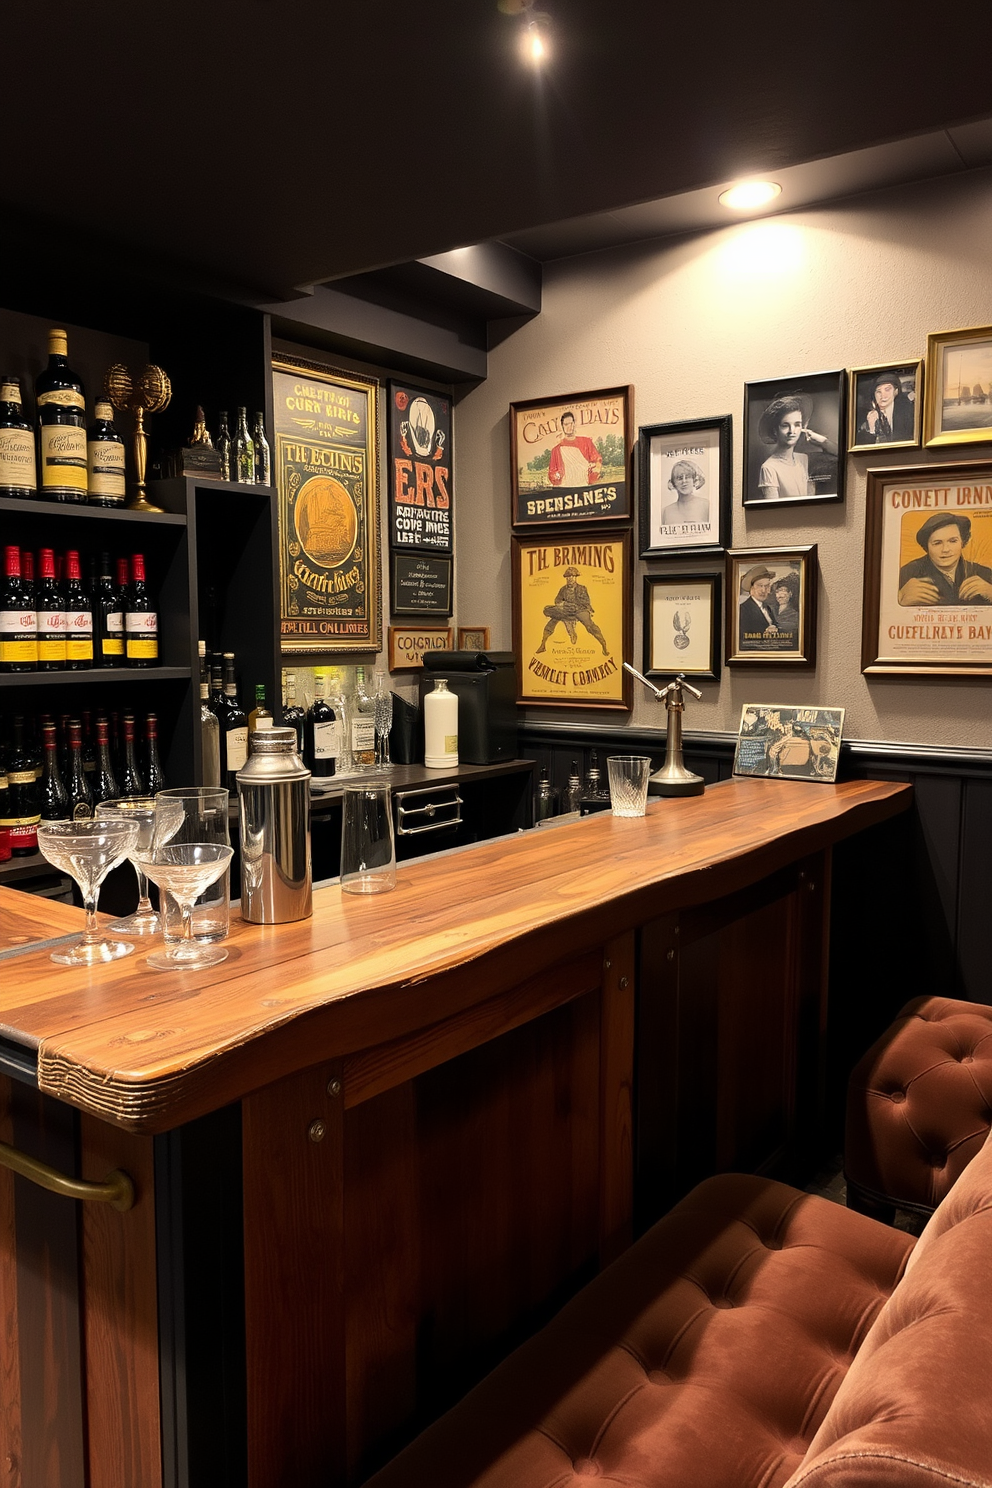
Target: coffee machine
{"x": 485, "y": 684}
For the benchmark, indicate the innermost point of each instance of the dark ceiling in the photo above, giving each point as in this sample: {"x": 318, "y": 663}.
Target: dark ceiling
{"x": 278, "y": 143}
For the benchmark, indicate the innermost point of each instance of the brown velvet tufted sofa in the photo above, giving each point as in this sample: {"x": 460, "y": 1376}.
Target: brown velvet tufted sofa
{"x": 919, "y": 1106}
{"x": 755, "y": 1337}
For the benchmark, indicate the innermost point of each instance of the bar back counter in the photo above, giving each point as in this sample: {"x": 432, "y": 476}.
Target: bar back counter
{"x": 374, "y": 1150}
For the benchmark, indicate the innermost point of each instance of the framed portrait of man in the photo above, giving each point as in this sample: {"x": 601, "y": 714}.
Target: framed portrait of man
{"x": 794, "y": 439}
{"x": 885, "y": 407}
{"x": 771, "y": 606}
{"x": 570, "y": 458}
{"x": 684, "y": 481}
{"x": 928, "y": 571}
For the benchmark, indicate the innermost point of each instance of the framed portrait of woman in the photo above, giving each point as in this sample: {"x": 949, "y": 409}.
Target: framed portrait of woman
{"x": 885, "y": 407}
{"x": 684, "y": 479}
{"x": 771, "y": 606}
{"x": 794, "y": 439}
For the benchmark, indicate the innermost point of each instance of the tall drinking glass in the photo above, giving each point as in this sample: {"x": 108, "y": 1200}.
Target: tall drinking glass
{"x": 186, "y": 871}
{"x": 140, "y": 809}
{"x": 368, "y": 849}
{"x": 88, "y": 850}
{"x": 203, "y": 818}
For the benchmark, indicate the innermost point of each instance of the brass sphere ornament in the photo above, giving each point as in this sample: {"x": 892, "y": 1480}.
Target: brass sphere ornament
{"x": 149, "y": 393}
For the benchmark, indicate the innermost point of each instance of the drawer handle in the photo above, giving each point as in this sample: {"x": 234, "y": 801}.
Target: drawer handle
{"x": 116, "y": 1189}
{"x": 438, "y": 826}
{"x": 431, "y": 808}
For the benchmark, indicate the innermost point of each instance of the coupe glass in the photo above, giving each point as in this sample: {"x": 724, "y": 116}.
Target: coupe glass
{"x": 203, "y": 817}
{"x": 185, "y": 870}
{"x": 140, "y": 809}
{"x": 88, "y": 850}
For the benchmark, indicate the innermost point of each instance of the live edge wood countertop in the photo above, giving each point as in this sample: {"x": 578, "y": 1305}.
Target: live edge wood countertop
{"x": 150, "y": 1050}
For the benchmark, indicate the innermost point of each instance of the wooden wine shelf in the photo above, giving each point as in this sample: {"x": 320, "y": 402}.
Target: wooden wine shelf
{"x": 39, "y": 508}
{"x": 96, "y": 675}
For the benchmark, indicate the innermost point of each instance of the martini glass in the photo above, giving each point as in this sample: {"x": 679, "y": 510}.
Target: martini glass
{"x": 140, "y": 809}
{"x": 88, "y": 850}
{"x": 185, "y": 870}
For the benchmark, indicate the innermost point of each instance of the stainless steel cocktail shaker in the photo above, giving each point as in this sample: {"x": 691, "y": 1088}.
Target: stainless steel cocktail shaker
{"x": 274, "y": 799}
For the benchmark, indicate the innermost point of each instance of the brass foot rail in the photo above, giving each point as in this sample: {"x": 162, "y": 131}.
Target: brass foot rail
{"x": 116, "y": 1189}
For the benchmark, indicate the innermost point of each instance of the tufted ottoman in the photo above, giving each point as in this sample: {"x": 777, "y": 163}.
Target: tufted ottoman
{"x": 919, "y": 1106}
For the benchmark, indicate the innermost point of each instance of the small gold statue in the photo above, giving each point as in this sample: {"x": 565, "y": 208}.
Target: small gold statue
{"x": 201, "y": 434}
{"x": 150, "y": 394}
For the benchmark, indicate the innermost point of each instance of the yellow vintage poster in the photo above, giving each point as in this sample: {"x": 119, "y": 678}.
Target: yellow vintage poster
{"x": 325, "y": 462}
{"x": 572, "y": 620}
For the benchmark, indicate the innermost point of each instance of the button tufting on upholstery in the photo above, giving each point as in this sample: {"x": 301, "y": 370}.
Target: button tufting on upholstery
{"x": 897, "y": 1096}
{"x": 659, "y": 1377}
{"x": 722, "y": 1302}
{"x": 968, "y": 1059}
{"x": 584, "y": 1467}
{"x": 937, "y": 1159}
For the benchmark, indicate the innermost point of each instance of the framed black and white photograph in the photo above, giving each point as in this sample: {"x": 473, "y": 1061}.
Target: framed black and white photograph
{"x": 771, "y": 606}
{"x": 794, "y": 430}
{"x": 682, "y": 625}
{"x": 885, "y": 406}
{"x": 684, "y": 481}
{"x": 789, "y": 743}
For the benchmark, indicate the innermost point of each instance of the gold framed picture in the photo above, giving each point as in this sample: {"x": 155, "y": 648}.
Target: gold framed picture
{"x": 326, "y": 463}
{"x": 958, "y": 403}
{"x": 473, "y": 637}
{"x": 885, "y": 406}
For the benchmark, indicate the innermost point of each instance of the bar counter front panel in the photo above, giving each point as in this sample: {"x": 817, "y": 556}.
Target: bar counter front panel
{"x": 375, "y": 1149}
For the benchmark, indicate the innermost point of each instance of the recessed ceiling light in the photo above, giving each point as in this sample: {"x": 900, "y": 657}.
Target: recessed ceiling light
{"x": 748, "y": 195}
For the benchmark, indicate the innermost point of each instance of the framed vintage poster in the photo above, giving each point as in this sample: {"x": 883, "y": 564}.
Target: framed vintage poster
{"x": 473, "y": 637}
{"x": 421, "y": 489}
{"x": 885, "y": 406}
{"x": 684, "y": 482}
{"x": 771, "y": 606}
{"x": 958, "y": 405}
{"x": 420, "y": 584}
{"x": 682, "y": 625}
{"x": 794, "y": 431}
{"x": 572, "y": 619}
{"x": 570, "y": 458}
{"x": 928, "y": 571}
{"x": 409, "y": 643}
{"x": 791, "y": 743}
{"x": 325, "y": 452}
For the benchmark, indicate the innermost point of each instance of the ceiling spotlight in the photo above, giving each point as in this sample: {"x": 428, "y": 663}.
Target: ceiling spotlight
{"x": 535, "y": 26}
{"x": 536, "y": 46}
{"x": 746, "y": 196}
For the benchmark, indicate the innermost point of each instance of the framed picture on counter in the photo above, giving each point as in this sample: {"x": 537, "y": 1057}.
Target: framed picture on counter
{"x": 771, "y": 606}
{"x": 682, "y": 625}
{"x": 789, "y": 743}
{"x": 684, "y": 482}
{"x": 421, "y": 485}
{"x": 570, "y": 458}
{"x": 572, "y": 619}
{"x": 794, "y": 430}
{"x": 958, "y": 405}
{"x": 928, "y": 571}
{"x": 885, "y": 407}
{"x": 420, "y": 584}
{"x": 325, "y": 455}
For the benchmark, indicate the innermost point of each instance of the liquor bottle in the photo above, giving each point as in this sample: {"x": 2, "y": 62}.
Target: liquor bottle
{"x": 89, "y": 744}
{"x": 4, "y": 813}
{"x": 293, "y": 715}
{"x": 62, "y": 421}
{"x": 362, "y": 723}
{"x": 218, "y": 706}
{"x": 263, "y": 457}
{"x": 322, "y": 733}
{"x": 573, "y": 791}
{"x": 53, "y": 796}
{"x": 27, "y": 578}
{"x": 234, "y": 725}
{"x": 104, "y": 781}
{"x": 224, "y": 448}
{"x": 78, "y": 787}
{"x": 105, "y": 458}
{"x": 18, "y": 624}
{"x": 209, "y": 726}
{"x": 18, "y": 472}
{"x": 108, "y": 615}
{"x": 130, "y": 780}
{"x": 261, "y": 715}
{"x": 140, "y": 619}
{"x": 440, "y": 727}
{"x": 50, "y": 610}
{"x": 545, "y": 798}
{"x": 78, "y": 617}
{"x": 154, "y": 775}
{"x": 243, "y": 453}
{"x": 62, "y": 736}
{"x": 22, "y": 796}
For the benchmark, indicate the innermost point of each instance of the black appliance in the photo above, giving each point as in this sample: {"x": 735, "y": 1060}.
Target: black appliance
{"x": 486, "y": 687}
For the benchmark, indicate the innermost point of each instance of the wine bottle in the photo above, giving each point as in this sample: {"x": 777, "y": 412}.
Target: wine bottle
{"x": 18, "y": 624}
{"x": 263, "y": 456}
{"x": 17, "y": 459}
{"x": 322, "y": 733}
{"x": 4, "y": 812}
{"x": 78, "y": 787}
{"x": 154, "y": 775}
{"x": 89, "y": 744}
{"x": 293, "y": 715}
{"x": 62, "y": 420}
{"x": 105, "y": 458}
{"x": 209, "y": 726}
{"x": 235, "y": 726}
{"x": 130, "y": 780}
{"x": 53, "y": 797}
{"x": 78, "y": 617}
{"x": 22, "y": 796}
{"x": 243, "y": 453}
{"x": 27, "y": 578}
{"x": 140, "y": 619}
{"x": 224, "y": 448}
{"x": 261, "y": 715}
{"x": 50, "y": 610}
{"x": 218, "y": 707}
{"x": 362, "y": 723}
{"x": 108, "y": 617}
{"x": 104, "y": 781}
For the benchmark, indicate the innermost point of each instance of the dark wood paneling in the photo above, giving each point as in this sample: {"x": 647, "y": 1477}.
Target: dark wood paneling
{"x": 616, "y": 1065}
{"x": 10, "y": 1363}
{"x": 974, "y": 922}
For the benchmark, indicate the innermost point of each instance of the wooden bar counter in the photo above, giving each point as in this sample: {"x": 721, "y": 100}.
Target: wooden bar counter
{"x": 374, "y": 1149}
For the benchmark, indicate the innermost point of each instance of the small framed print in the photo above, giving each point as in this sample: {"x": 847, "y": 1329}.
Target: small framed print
{"x": 885, "y": 406}
{"x": 958, "y": 404}
{"x": 684, "y": 480}
{"x": 771, "y": 606}
{"x": 682, "y": 625}
{"x": 794, "y": 431}
{"x": 420, "y": 584}
{"x": 409, "y": 643}
{"x": 790, "y": 743}
{"x": 570, "y": 458}
{"x": 473, "y": 637}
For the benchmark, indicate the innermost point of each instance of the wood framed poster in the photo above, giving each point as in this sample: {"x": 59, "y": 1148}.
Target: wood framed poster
{"x": 408, "y": 644}
{"x": 421, "y": 487}
{"x": 325, "y": 452}
{"x": 421, "y": 584}
{"x": 570, "y": 458}
{"x": 572, "y": 622}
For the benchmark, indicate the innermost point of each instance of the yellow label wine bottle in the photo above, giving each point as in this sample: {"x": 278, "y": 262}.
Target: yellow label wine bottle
{"x": 105, "y": 456}
{"x": 62, "y": 426}
{"x": 17, "y": 458}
